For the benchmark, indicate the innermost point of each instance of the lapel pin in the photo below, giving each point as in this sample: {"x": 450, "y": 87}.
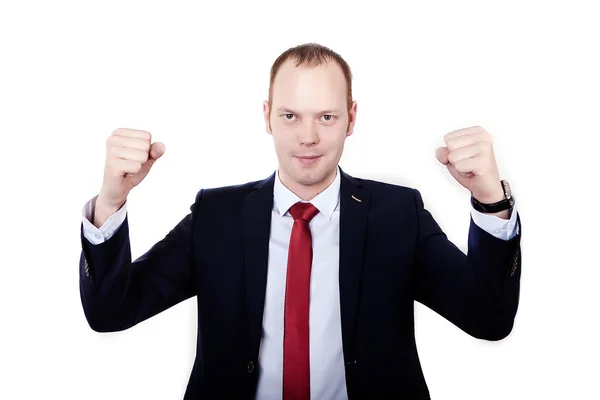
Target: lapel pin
{"x": 359, "y": 200}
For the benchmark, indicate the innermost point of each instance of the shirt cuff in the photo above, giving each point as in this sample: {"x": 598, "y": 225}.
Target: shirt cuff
{"x": 107, "y": 230}
{"x": 504, "y": 229}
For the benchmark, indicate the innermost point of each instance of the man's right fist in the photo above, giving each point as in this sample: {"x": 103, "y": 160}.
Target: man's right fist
{"x": 129, "y": 157}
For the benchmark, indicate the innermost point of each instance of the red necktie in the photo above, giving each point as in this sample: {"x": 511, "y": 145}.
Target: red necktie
{"x": 296, "y": 356}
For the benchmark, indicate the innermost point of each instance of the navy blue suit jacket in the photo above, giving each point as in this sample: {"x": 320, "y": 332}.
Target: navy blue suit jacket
{"x": 392, "y": 253}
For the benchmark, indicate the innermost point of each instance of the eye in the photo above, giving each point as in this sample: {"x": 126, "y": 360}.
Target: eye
{"x": 289, "y": 116}
{"x": 327, "y": 117}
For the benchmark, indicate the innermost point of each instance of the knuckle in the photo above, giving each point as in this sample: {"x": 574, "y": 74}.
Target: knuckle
{"x": 485, "y": 147}
{"x": 131, "y": 142}
{"x": 144, "y": 135}
{"x": 110, "y": 151}
{"x": 145, "y": 144}
{"x": 133, "y": 155}
{"x": 132, "y": 133}
{"x": 451, "y": 158}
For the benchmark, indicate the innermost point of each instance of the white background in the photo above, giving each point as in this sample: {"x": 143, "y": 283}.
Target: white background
{"x": 195, "y": 77}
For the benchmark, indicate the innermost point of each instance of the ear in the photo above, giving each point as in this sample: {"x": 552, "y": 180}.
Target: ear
{"x": 266, "y": 108}
{"x": 351, "y": 118}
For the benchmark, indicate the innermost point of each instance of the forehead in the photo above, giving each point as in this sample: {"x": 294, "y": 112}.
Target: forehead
{"x": 309, "y": 87}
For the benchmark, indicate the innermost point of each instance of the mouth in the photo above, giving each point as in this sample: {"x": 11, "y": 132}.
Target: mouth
{"x": 308, "y": 160}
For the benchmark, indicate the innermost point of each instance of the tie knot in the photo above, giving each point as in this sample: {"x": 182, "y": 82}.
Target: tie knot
{"x": 304, "y": 211}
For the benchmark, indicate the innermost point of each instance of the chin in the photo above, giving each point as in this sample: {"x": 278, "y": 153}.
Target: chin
{"x": 310, "y": 177}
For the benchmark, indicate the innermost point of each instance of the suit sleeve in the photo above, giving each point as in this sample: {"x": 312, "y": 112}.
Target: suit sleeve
{"x": 478, "y": 291}
{"x": 118, "y": 293}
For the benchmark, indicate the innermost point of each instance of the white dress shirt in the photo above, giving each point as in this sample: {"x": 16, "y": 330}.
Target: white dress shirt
{"x": 327, "y": 373}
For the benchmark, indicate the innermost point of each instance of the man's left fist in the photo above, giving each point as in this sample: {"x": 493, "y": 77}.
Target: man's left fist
{"x": 469, "y": 156}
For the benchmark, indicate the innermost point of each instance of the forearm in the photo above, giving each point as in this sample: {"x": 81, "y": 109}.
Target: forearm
{"x": 118, "y": 293}
{"x": 494, "y": 289}
{"x": 103, "y": 210}
{"x": 106, "y": 289}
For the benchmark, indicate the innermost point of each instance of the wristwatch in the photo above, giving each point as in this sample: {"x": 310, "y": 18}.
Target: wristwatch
{"x": 507, "y": 203}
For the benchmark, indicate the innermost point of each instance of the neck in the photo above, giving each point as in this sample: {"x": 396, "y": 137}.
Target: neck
{"x": 308, "y": 192}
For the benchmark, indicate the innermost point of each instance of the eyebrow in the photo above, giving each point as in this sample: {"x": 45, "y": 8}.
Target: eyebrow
{"x": 288, "y": 110}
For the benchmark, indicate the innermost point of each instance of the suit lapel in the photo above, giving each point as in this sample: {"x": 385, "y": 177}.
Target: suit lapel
{"x": 257, "y": 225}
{"x": 354, "y": 210}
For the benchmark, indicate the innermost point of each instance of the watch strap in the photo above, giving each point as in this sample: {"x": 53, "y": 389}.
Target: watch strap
{"x": 507, "y": 203}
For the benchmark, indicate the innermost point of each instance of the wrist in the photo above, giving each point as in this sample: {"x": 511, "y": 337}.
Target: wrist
{"x": 496, "y": 197}
{"x": 103, "y": 210}
{"x": 497, "y": 204}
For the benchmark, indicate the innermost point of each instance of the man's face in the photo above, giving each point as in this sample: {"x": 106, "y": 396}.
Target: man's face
{"x": 309, "y": 122}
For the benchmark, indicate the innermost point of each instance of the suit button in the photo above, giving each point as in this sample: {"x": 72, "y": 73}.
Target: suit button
{"x": 250, "y": 367}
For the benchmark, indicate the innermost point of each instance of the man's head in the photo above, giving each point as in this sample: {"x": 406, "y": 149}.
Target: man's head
{"x": 310, "y": 112}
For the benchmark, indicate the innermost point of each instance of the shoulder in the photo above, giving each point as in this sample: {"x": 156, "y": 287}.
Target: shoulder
{"x": 376, "y": 187}
{"x": 229, "y": 195}
{"x": 380, "y": 190}
{"x": 387, "y": 197}
{"x": 240, "y": 189}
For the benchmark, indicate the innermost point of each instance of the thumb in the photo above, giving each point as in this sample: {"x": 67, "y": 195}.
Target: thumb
{"x": 463, "y": 178}
{"x": 442, "y": 155}
{"x": 156, "y": 151}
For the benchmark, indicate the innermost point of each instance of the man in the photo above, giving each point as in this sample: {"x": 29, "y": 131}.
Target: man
{"x": 306, "y": 280}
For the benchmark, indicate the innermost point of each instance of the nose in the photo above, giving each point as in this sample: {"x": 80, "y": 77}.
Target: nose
{"x": 308, "y": 135}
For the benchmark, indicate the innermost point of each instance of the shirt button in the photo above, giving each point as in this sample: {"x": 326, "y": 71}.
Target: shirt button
{"x": 250, "y": 367}
{"x": 497, "y": 231}
{"x": 111, "y": 232}
{"x": 97, "y": 236}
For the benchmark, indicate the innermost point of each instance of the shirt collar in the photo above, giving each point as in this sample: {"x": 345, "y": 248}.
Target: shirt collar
{"x": 326, "y": 201}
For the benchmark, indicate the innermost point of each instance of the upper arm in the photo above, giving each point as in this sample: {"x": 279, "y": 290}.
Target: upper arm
{"x": 165, "y": 273}
{"x": 441, "y": 273}
{"x": 474, "y": 291}
{"x": 119, "y": 293}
